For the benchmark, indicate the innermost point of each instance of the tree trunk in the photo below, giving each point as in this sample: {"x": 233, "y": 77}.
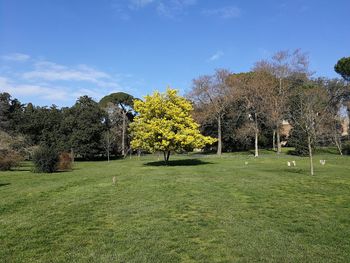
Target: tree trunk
{"x": 274, "y": 140}
{"x": 278, "y": 140}
{"x": 256, "y": 137}
{"x": 278, "y": 124}
{"x": 219, "y": 137}
{"x": 165, "y": 160}
{"x": 310, "y": 155}
{"x": 166, "y": 156}
{"x": 72, "y": 155}
{"x": 338, "y": 144}
{"x": 256, "y": 143}
{"x": 123, "y": 133}
{"x": 108, "y": 146}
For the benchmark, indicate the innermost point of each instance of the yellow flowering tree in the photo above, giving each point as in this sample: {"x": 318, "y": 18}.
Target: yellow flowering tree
{"x": 164, "y": 123}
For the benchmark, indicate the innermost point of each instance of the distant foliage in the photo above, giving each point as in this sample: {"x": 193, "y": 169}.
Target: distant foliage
{"x": 65, "y": 162}
{"x": 46, "y": 160}
{"x": 9, "y": 159}
{"x": 299, "y": 141}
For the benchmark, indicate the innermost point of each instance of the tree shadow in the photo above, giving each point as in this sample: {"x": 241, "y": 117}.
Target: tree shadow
{"x": 185, "y": 162}
{"x": 98, "y": 158}
{"x": 296, "y": 171}
{"x": 4, "y": 184}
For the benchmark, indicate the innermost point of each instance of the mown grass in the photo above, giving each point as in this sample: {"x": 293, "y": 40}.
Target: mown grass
{"x": 198, "y": 209}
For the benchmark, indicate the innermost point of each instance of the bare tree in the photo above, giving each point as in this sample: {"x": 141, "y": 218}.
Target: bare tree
{"x": 309, "y": 106}
{"x": 284, "y": 65}
{"x": 252, "y": 89}
{"x": 211, "y": 95}
{"x": 107, "y": 143}
{"x": 338, "y": 96}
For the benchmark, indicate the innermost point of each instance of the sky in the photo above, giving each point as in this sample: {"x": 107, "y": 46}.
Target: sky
{"x": 53, "y": 51}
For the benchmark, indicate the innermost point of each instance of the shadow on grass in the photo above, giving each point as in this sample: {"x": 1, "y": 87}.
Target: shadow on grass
{"x": 296, "y": 171}
{"x": 4, "y": 184}
{"x": 185, "y": 162}
{"x": 98, "y": 158}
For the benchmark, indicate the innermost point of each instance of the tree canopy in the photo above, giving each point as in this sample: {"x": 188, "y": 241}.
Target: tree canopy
{"x": 121, "y": 99}
{"x": 164, "y": 124}
{"x": 343, "y": 68}
{"x": 85, "y": 121}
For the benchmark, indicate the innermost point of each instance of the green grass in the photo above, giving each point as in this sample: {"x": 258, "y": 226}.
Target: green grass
{"x": 195, "y": 210}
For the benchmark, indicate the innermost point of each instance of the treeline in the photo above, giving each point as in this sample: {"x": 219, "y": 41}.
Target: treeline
{"x": 242, "y": 110}
{"x": 249, "y": 110}
{"x": 87, "y": 129}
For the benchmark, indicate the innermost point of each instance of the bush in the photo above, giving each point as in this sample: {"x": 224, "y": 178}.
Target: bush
{"x": 65, "y": 162}
{"x": 346, "y": 148}
{"x": 46, "y": 160}
{"x": 9, "y": 159}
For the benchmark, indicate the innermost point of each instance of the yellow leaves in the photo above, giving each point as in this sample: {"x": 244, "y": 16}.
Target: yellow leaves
{"x": 165, "y": 123}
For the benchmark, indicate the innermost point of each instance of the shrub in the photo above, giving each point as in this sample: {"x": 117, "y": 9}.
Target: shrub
{"x": 17, "y": 144}
{"x": 9, "y": 159}
{"x": 65, "y": 162}
{"x": 46, "y": 160}
{"x": 346, "y": 148}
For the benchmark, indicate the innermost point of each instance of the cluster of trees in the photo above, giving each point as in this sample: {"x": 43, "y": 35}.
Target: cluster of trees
{"x": 87, "y": 129}
{"x": 242, "y": 110}
{"x": 247, "y": 109}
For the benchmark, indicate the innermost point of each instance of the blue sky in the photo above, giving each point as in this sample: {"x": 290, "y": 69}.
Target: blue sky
{"x": 53, "y": 51}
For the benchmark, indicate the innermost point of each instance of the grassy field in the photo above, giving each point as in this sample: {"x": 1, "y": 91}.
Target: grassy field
{"x": 198, "y": 209}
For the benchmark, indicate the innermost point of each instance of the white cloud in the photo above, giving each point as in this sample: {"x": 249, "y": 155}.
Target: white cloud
{"x": 50, "y": 71}
{"x": 223, "y": 12}
{"x": 165, "y": 8}
{"x": 174, "y": 7}
{"x": 15, "y": 89}
{"x": 139, "y": 3}
{"x": 17, "y": 57}
{"x": 216, "y": 56}
{"x": 55, "y": 83}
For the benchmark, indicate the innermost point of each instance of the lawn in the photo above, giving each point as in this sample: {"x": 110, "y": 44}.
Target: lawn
{"x": 198, "y": 209}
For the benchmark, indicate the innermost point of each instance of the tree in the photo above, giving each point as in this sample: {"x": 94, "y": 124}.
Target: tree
{"x": 107, "y": 139}
{"x": 123, "y": 103}
{"x": 41, "y": 125}
{"x": 338, "y": 96}
{"x": 232, "y": 121}
{"x": 308, "y": 108}
{"x": 10, "y": 109}
{"x": 211, "y": 93}
{"x": 107, "y": 143}
{"x": 252, "y": 90}
{"x": 5, "y": 100}
{"x": 284, "y": 65}
{"x": 343, "y": 68}
{"x": 84, "y": 126}
{"x": 164, "y": 124}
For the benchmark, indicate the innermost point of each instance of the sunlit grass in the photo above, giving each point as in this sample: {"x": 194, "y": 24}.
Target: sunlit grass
{"x": 197, "y": 209}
